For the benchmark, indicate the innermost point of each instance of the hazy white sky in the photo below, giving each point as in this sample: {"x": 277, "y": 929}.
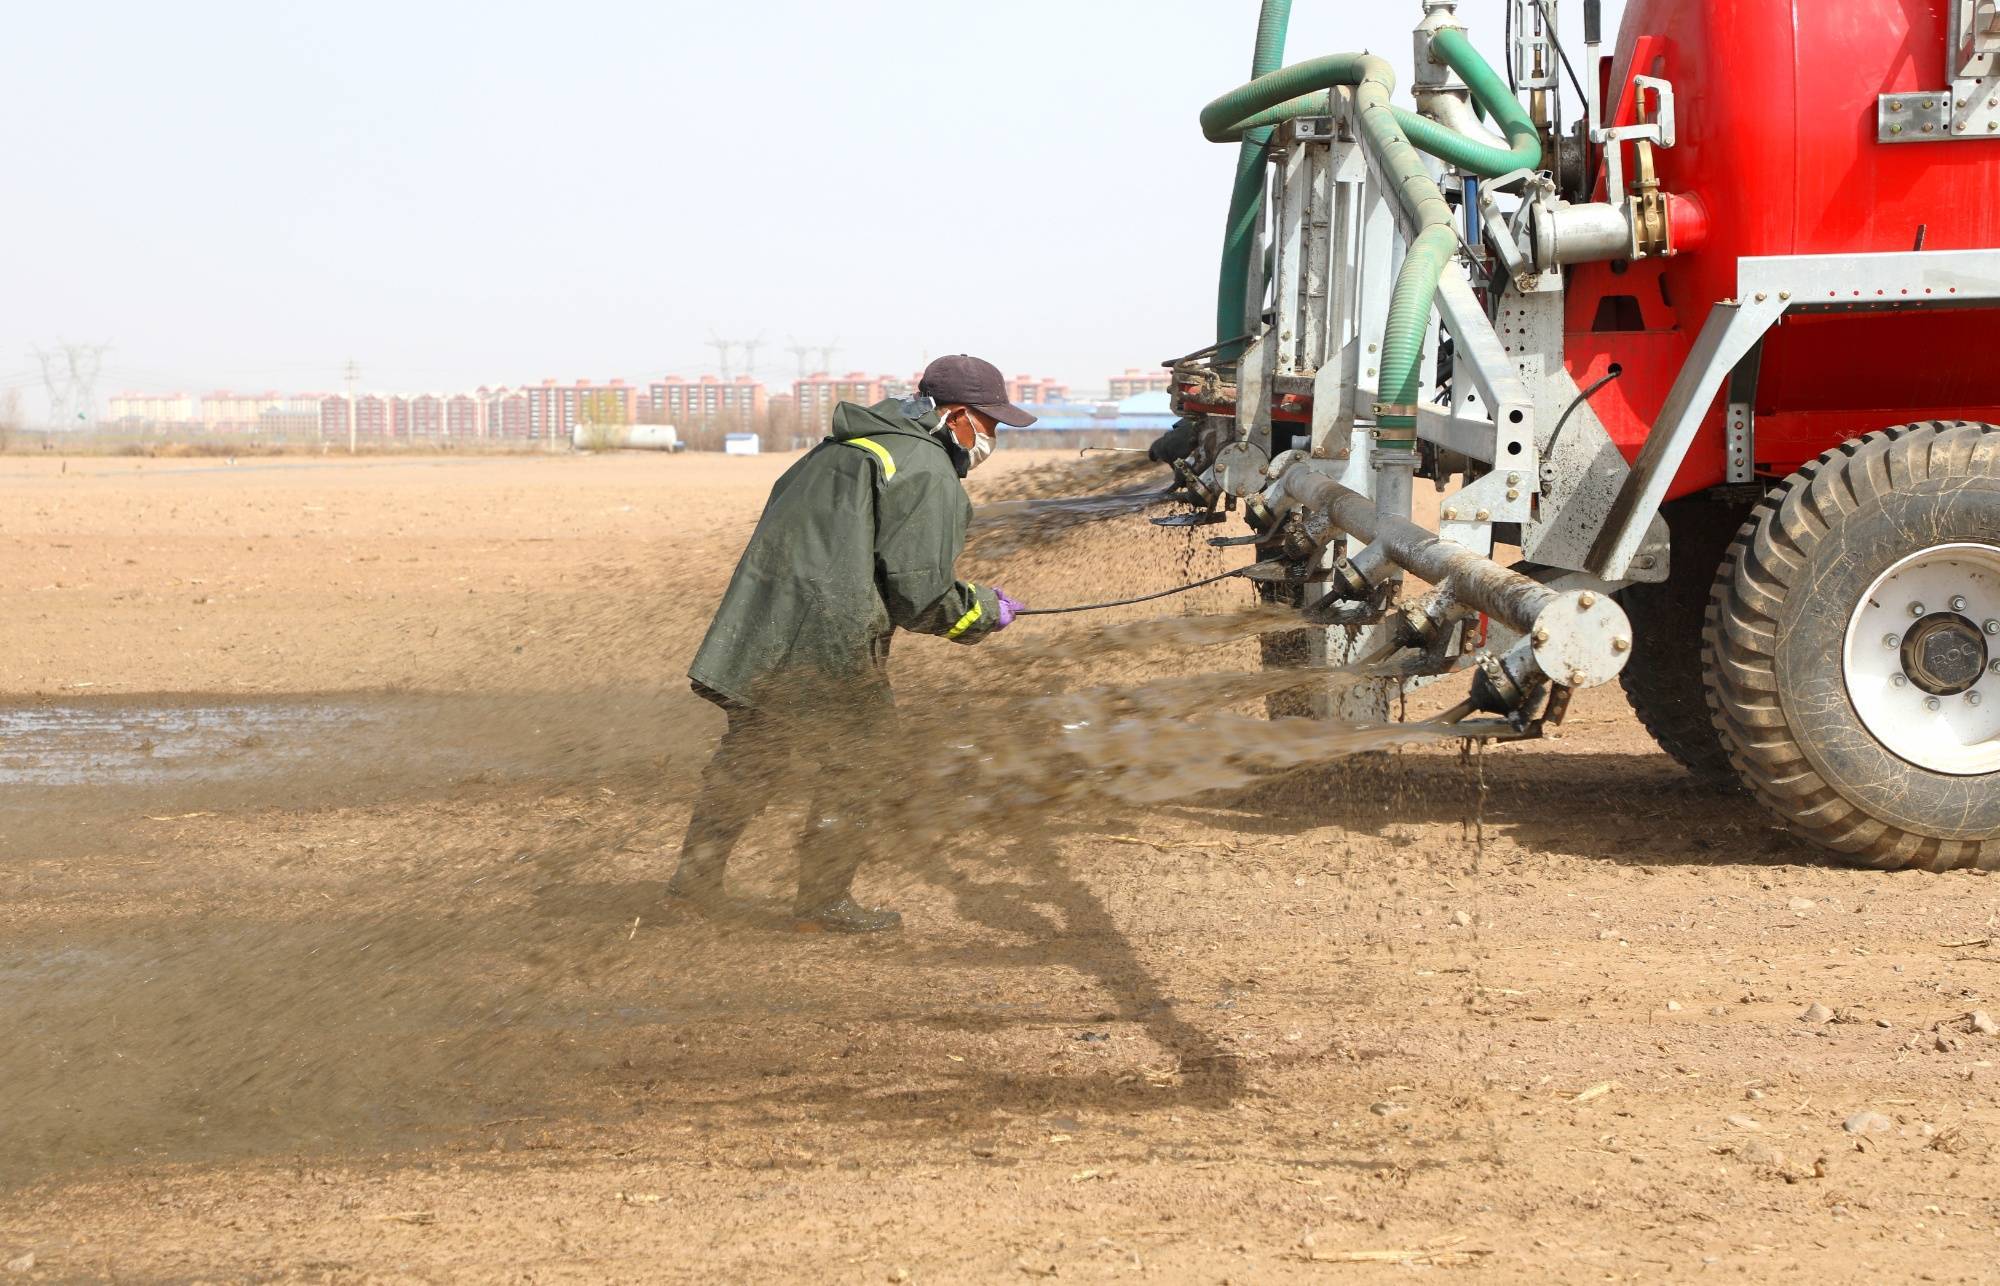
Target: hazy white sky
{"x": 245, "y": 193}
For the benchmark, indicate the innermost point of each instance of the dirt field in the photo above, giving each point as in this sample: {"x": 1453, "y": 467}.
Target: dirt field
{"x": 336, "y": 804}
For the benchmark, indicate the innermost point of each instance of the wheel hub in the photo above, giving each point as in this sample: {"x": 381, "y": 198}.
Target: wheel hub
{"x": 1920, "y": 659}
{"x": 1945, "y": 655}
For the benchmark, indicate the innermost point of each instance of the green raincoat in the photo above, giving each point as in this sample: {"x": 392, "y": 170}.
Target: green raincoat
{"x": 858, "y": 539}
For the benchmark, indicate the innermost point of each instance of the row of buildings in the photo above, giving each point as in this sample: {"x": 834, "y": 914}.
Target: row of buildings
{"x": 552, "y": 411}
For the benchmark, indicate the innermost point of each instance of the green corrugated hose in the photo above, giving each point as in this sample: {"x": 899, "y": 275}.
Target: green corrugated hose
{"x": 1489, "y": 91}
{"x": 1306, "y": 89}
{"x": 1246, "y": 194}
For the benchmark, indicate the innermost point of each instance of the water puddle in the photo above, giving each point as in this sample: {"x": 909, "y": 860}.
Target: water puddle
{"x": 74, "y": 745}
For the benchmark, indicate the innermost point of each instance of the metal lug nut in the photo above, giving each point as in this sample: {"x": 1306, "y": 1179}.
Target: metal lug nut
{"x": 1892, "y": 641}
{"x": 1994, "y": 668}
{"x": 1958, "y": 602}
{"x": 1993, "y": 627}
{"x": 1899, "y": 680}
{"x": 1919, "y": 611}
{"x": 1578, "y": 678}
{"x": 1621, "y": 645}
{"x": 1541, "y": 636}
{"x": 1973, "y": 698}
{"x": 1513, "y": 479}
{"x": 1586, "y": 599}
{"x": 1513, "y": 493}
{"x": 1484, "y": 514}
{"x": 1933, "y": 705}
{"x": 1451, "y": 515}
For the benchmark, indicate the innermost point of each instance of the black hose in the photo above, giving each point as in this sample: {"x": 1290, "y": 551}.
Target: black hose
{"x": 1555, "y": 437}
{"x": 1127, "y": 602}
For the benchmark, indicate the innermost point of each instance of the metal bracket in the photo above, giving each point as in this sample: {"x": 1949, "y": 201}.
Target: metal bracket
{"x": 1739, "y": 419}
{"x": 1656, "y": 128}
{"x": 1732, "y": 329}
{"x": 1968, "y": 108}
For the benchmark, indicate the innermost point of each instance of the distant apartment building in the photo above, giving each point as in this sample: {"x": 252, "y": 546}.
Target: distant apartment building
{"x": 814, "y": 398}
{"x": 465, "y": 415}
{"x": 153, "y": 408}
{"x": 246, "y": 413}
{"x": 295, "y": 419}
{"x": 375, "y": 417}
{"x": 708, "y": 402}
{"x": 555, "y": 409}
{"x": 422, "y": 417}
{"x": 507, "y": 414}
{"x": 1023, "y": 389}
{"x": 1134, "y": 382}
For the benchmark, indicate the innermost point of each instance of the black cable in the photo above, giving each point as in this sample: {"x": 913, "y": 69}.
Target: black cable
{"x": 1581, "y": 398}
{"x": 1127, "y": 602}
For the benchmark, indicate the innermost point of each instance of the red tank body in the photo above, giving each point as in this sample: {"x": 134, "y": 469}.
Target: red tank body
{"x": 1776, "y": 139}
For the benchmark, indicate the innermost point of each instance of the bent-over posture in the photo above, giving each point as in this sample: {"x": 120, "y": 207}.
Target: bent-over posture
{"x": 860, "y": 538}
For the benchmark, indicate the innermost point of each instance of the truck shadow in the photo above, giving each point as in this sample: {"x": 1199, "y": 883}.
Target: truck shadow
{"x": 1632, "y": 809}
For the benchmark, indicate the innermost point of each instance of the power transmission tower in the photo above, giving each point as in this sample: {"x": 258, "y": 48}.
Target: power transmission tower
{"x": 85, "y": 360}
{"x": 826, "y": 352}
{"x": 55, "y": 379}
{"x": 799, "y": 351}
{"x": 750, "y": 347}
{"x": 353, "y": 411}
{"x": 722, "y": 348}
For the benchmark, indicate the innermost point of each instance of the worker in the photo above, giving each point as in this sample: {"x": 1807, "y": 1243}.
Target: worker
{"x": 857, "y": 540}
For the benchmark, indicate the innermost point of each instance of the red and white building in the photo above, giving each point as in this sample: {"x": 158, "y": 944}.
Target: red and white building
{"x": 554, "y": 409}
{"x": 814, "y": 397}
{"x": 1025, "y": 390}
{"x": 740, "y": 403}
{"x": 1134, "y": 382}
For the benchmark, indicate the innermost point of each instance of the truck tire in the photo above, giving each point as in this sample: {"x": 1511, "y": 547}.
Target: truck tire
{"x": 1664, "y": 681}
{"x": 1852, "y": 649}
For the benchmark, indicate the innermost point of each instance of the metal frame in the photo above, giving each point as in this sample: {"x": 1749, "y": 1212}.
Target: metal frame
{"x": 1772, "y": 286}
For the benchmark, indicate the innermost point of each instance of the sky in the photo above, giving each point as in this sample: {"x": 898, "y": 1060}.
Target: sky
{"x": 248, "y": 193}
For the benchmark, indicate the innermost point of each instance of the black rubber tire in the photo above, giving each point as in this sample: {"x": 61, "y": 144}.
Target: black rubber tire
{"x": 1664, "y": 681}
{"x": 1775, "y": 635}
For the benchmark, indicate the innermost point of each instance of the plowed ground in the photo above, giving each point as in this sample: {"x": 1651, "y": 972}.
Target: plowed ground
{"x": 399, "y": 999}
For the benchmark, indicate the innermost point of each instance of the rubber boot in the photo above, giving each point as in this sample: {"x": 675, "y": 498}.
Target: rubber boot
{"x": 697, "y": 882}
{"x": 829, "y": 855}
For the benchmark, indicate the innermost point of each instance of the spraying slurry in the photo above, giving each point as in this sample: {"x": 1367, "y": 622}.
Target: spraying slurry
{"x": 470, "y": 973}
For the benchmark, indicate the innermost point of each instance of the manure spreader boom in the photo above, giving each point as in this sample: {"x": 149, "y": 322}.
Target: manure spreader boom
{"x": 1698, "y": 340}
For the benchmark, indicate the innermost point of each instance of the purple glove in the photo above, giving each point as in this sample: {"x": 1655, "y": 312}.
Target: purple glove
{"x": 1008, "y": 607}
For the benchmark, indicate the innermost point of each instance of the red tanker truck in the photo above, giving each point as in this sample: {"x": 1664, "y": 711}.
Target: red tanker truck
{"x": 1699, "y": 340}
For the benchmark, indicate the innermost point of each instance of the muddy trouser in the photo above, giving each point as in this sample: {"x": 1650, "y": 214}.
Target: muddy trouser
{"x": 753, "y": 765}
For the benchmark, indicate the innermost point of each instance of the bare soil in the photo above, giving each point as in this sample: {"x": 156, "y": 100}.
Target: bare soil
{"x": 337, "y": 800}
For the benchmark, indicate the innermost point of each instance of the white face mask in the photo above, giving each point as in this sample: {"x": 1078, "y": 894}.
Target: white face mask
{"x": 982, "y": 446}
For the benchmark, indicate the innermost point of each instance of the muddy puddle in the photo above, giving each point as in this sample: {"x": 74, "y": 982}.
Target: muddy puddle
{"x": 73, "y": 745}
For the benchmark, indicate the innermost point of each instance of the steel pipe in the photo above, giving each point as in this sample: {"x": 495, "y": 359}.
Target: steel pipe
{"x": 1578, "y": 638}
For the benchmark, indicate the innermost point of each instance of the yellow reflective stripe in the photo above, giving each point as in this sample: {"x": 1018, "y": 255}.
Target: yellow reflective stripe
{"x": 880, "y": 452}
{"x": 968, "y": 620}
